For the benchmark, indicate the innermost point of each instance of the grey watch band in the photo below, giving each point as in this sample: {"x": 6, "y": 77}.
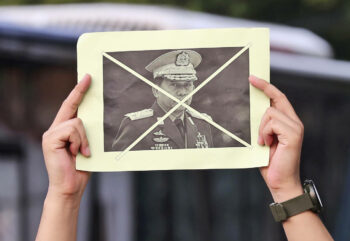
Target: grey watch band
{"x": 284, "y": 210}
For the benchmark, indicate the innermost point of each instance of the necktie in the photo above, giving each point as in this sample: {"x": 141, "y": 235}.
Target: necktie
{"x": 179, "y": 124}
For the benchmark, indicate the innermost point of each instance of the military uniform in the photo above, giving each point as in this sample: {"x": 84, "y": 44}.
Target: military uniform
{"x": 190, "y": 131}
{"x": 166, "y": 135}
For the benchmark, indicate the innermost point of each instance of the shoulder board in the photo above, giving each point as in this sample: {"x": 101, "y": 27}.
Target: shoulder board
{"x": 196, "y": 115}
{"x": 140, "y": 114}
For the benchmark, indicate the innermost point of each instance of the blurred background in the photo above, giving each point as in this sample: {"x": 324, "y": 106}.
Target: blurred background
{"x": 310, "y": 55}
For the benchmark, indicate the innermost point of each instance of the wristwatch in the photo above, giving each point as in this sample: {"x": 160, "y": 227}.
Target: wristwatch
{"x": 310, "y": 200}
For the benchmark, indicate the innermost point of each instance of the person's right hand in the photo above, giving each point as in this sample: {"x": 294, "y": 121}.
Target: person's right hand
{"x": 61, "y": 144}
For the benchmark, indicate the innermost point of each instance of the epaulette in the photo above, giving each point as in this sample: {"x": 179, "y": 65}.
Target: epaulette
{"x": 140, "y": 114}
{"x": 196, "y": 115}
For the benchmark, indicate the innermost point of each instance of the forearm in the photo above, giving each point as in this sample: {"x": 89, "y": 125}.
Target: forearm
{"x": 59, "y": 218}
{"x": 306, "y": 225}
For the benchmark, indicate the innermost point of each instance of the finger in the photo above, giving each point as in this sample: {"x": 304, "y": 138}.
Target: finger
{"x": 62, "y": 136}
{"x": 286, "y": 135}
{"x": 75, "y": 142}
{"x": 79, "y": 127}
{"x": 267, "y": 134}
{"x": 278, "y": 99}
{"x": 71, "y": 103}
{"x": 76, "y": 127}
{"x": 84, "y": 148}
{"x": 270, "y": 130}
{"x": 273, "y": 113}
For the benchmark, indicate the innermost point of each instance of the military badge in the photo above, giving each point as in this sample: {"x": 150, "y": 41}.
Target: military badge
{"x": 201, "y": 141}
{"x": 159, "y": 133}
{"x": 161, "y": 139}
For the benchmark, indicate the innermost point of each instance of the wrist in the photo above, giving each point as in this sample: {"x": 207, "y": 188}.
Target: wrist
{"x": 66, "y": 201}
{"x": 283, "y": 194}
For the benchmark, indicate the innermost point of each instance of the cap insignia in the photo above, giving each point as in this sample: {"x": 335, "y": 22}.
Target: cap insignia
{"x": 182, "y": 59}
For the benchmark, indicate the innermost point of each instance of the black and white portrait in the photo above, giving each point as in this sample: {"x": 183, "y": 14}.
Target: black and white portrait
{"x": 141, "y": 87}
{"x": 173, "y": 99}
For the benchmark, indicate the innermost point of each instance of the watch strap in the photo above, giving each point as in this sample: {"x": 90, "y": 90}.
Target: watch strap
{"x": 284, "y": 210}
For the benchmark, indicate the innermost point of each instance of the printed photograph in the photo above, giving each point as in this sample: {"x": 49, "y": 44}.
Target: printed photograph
{"x": 141, "y": 87}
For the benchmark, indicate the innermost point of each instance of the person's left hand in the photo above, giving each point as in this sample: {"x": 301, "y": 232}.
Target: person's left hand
{"x": 282, "y": 130}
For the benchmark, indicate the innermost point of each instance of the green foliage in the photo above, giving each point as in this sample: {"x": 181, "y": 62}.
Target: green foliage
{"x": 321, "y": 4}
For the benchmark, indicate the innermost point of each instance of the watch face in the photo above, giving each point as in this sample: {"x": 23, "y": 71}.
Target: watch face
{"x": 310, "y": 188}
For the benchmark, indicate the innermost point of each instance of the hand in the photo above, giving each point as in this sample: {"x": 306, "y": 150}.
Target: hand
{"x": 61, "y": 144}
{"x": 282, "y": 130}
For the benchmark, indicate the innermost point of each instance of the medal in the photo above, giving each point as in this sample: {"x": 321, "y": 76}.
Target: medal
{"x": 201, "y": 141}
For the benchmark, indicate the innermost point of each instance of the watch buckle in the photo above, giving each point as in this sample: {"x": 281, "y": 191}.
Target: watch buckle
{"x": 278, "y": 212}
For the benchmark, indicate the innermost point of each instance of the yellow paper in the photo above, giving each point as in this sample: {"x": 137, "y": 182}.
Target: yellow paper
{"x": 121, "y": 86}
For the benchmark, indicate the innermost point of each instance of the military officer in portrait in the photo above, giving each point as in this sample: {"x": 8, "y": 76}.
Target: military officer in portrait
{"x": 175, "y": 73}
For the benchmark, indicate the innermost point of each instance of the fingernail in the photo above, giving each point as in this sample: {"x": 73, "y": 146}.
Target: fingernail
{"x": 87, "y": 151}
{"x": 260, "y": 141}
{"x": 252, "y": 77}
{"x": 86, "y": 77}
